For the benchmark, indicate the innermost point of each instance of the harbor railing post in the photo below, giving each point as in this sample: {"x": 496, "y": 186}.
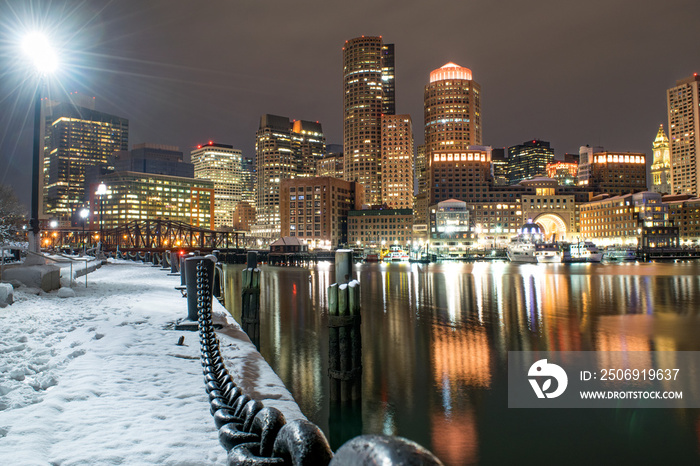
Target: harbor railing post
{"x": 250, "y": 299}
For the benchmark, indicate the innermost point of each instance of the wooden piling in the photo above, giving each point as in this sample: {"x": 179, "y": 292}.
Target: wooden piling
{"x": 250, "y": 300}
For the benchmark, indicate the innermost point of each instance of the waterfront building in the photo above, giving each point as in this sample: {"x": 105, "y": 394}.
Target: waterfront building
{"x": 397, "y": 161}
{"x": 451, "y": 234}
{"x": 626, "y": 220}
{"x": 684, "y": 135}
{"x": 618, "y": 173}
{"x": 661, "y": 164}
{"x": 421, "y": 198}
{"x": 148, "y": 196}
{"x": 368, "y": 92}
{"x": 528, "y": 160}
{"x": 283, "y": 150}
{"x": 315, "y": 209}
{"x": 380, "y": 228}
{"x": 452, "y": 110}
{"x": 684, "y": 212}
{"x": 553, "y": 209}
{"x": 221, "y": 164}
{"x": 76, "y": 139}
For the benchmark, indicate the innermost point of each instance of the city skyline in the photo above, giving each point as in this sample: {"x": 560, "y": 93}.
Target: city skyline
{"x": 224, "y": 70}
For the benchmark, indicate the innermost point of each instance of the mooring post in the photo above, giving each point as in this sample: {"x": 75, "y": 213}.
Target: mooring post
{"x": 250, "y": 299}
{"x": 190, "y": 273}
{"x": 345, "y": 344}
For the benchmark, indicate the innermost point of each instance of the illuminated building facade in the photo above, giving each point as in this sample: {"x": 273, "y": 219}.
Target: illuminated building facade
{"x": 368, "y": 92}
{"x": 249, "y": 180}
{"x": 661, "y": 165}
{"x": 684, "y": 135}
{"x": 452, "y": 109}
{"x": 618, "y": 173}
{"x": 585, "y": 160}
{"x": 220, "y": 164}
{"x": 243, "y": 216}
{"x": 528, "y": 160}
{"x": 377, "y": 228}
{"x": 76, "y": 138}
{"x": 566, "y": 173}
{"x": 283, "y": 150}
{"x": 315, "y": 209}
{"x": 684, "y": 212}
{"x": 553, "y": 209}
{"x": 331, "y": 164}
{"x": 397, "y": 161}
{"x": 142, "y": 196}
{"x": 309, "y": 145}
{"x": 499, "y": 167}
{"x": 451, "y": 234}
{"x": 464, "y": 175}
{"x": 626, "y": 220}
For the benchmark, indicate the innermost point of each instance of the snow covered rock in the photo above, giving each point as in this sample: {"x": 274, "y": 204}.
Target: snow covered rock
{"x": 6, "y": 294}
{"x": 66, "y": 293}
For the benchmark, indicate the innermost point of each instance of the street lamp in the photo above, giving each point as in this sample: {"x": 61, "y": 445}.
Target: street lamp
{"x": 41, "y": 53}
{"x": 101, "y": 191}
{"x": 84, "y": 214}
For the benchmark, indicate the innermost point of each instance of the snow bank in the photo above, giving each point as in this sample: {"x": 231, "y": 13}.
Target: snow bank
{"x": 98, "y": 378}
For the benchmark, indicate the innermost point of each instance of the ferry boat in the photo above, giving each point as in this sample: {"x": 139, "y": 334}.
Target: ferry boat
{"x": 620, "y": 254}
{"x": 585, "y": 251}
{"x": 548, "y": 253}
{"x": 396, "y": 254}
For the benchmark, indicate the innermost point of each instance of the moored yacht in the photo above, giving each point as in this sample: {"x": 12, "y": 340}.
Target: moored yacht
{"x": 522, "y": 247}
{"x": 585, "y": 251}
{"x": 548, "y": 253}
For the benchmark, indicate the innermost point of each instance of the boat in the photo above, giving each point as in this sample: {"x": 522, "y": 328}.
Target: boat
{"x": 371, "y": 257}
{"x": 619, "y": 254}
{"x": 548, "y": 253}
{"x": 585, "y": 251}
{"x": 396, "y": 254}
{"x": 522, "y": 247}
{"x": 521, "y": 250}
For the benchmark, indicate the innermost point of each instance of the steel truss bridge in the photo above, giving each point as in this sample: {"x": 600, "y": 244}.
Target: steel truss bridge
{"x": 145, "y": 235}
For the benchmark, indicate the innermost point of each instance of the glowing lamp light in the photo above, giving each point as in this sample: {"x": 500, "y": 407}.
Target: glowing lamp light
{"x": 40, "y": 51}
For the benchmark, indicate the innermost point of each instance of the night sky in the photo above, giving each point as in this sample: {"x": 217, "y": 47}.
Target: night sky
{"x": 186, "y": 72}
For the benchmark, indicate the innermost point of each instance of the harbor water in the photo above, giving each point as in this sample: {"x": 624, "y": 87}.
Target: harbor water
{"x": 435, "y": 342}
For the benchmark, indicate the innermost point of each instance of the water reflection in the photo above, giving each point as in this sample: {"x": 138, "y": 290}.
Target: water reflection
{"x": 435, "y": 343}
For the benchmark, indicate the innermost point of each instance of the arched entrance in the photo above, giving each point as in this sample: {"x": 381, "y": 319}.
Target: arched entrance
{"x": 553, "y": 226}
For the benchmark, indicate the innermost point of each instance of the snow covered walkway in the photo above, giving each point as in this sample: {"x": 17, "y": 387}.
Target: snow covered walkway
{"x": 99, "y": 378}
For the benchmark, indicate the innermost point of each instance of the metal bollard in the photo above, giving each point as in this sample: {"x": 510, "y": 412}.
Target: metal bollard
{"x": 191, "y": 282}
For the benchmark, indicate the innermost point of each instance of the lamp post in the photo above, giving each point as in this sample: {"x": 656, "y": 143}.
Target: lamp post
{"x": 41, "y": 53}
{"x": 84, "y": 214}
{"x": 101, "y": 191}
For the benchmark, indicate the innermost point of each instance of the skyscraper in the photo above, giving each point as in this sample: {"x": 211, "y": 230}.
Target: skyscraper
{"x": 220, "y": 163}
{"x": 76, "y": 138}
{"x": 528, "y": 159}
{"x": 661, "y": 165}
{"x": 283, "y": 150}
{"x": 397, "y": 161}
{"x": 684, "y": 135}
{"x": 452, "y": 110}
{"x": 368, "y": 92}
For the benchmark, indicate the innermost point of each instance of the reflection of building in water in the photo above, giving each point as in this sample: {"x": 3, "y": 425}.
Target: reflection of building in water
{"x": 461, "y": 356}
{"x": 455, "y": 440}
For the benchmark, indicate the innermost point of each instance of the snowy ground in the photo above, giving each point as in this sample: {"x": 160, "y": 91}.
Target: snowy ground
{"x": 99, "y": 379}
